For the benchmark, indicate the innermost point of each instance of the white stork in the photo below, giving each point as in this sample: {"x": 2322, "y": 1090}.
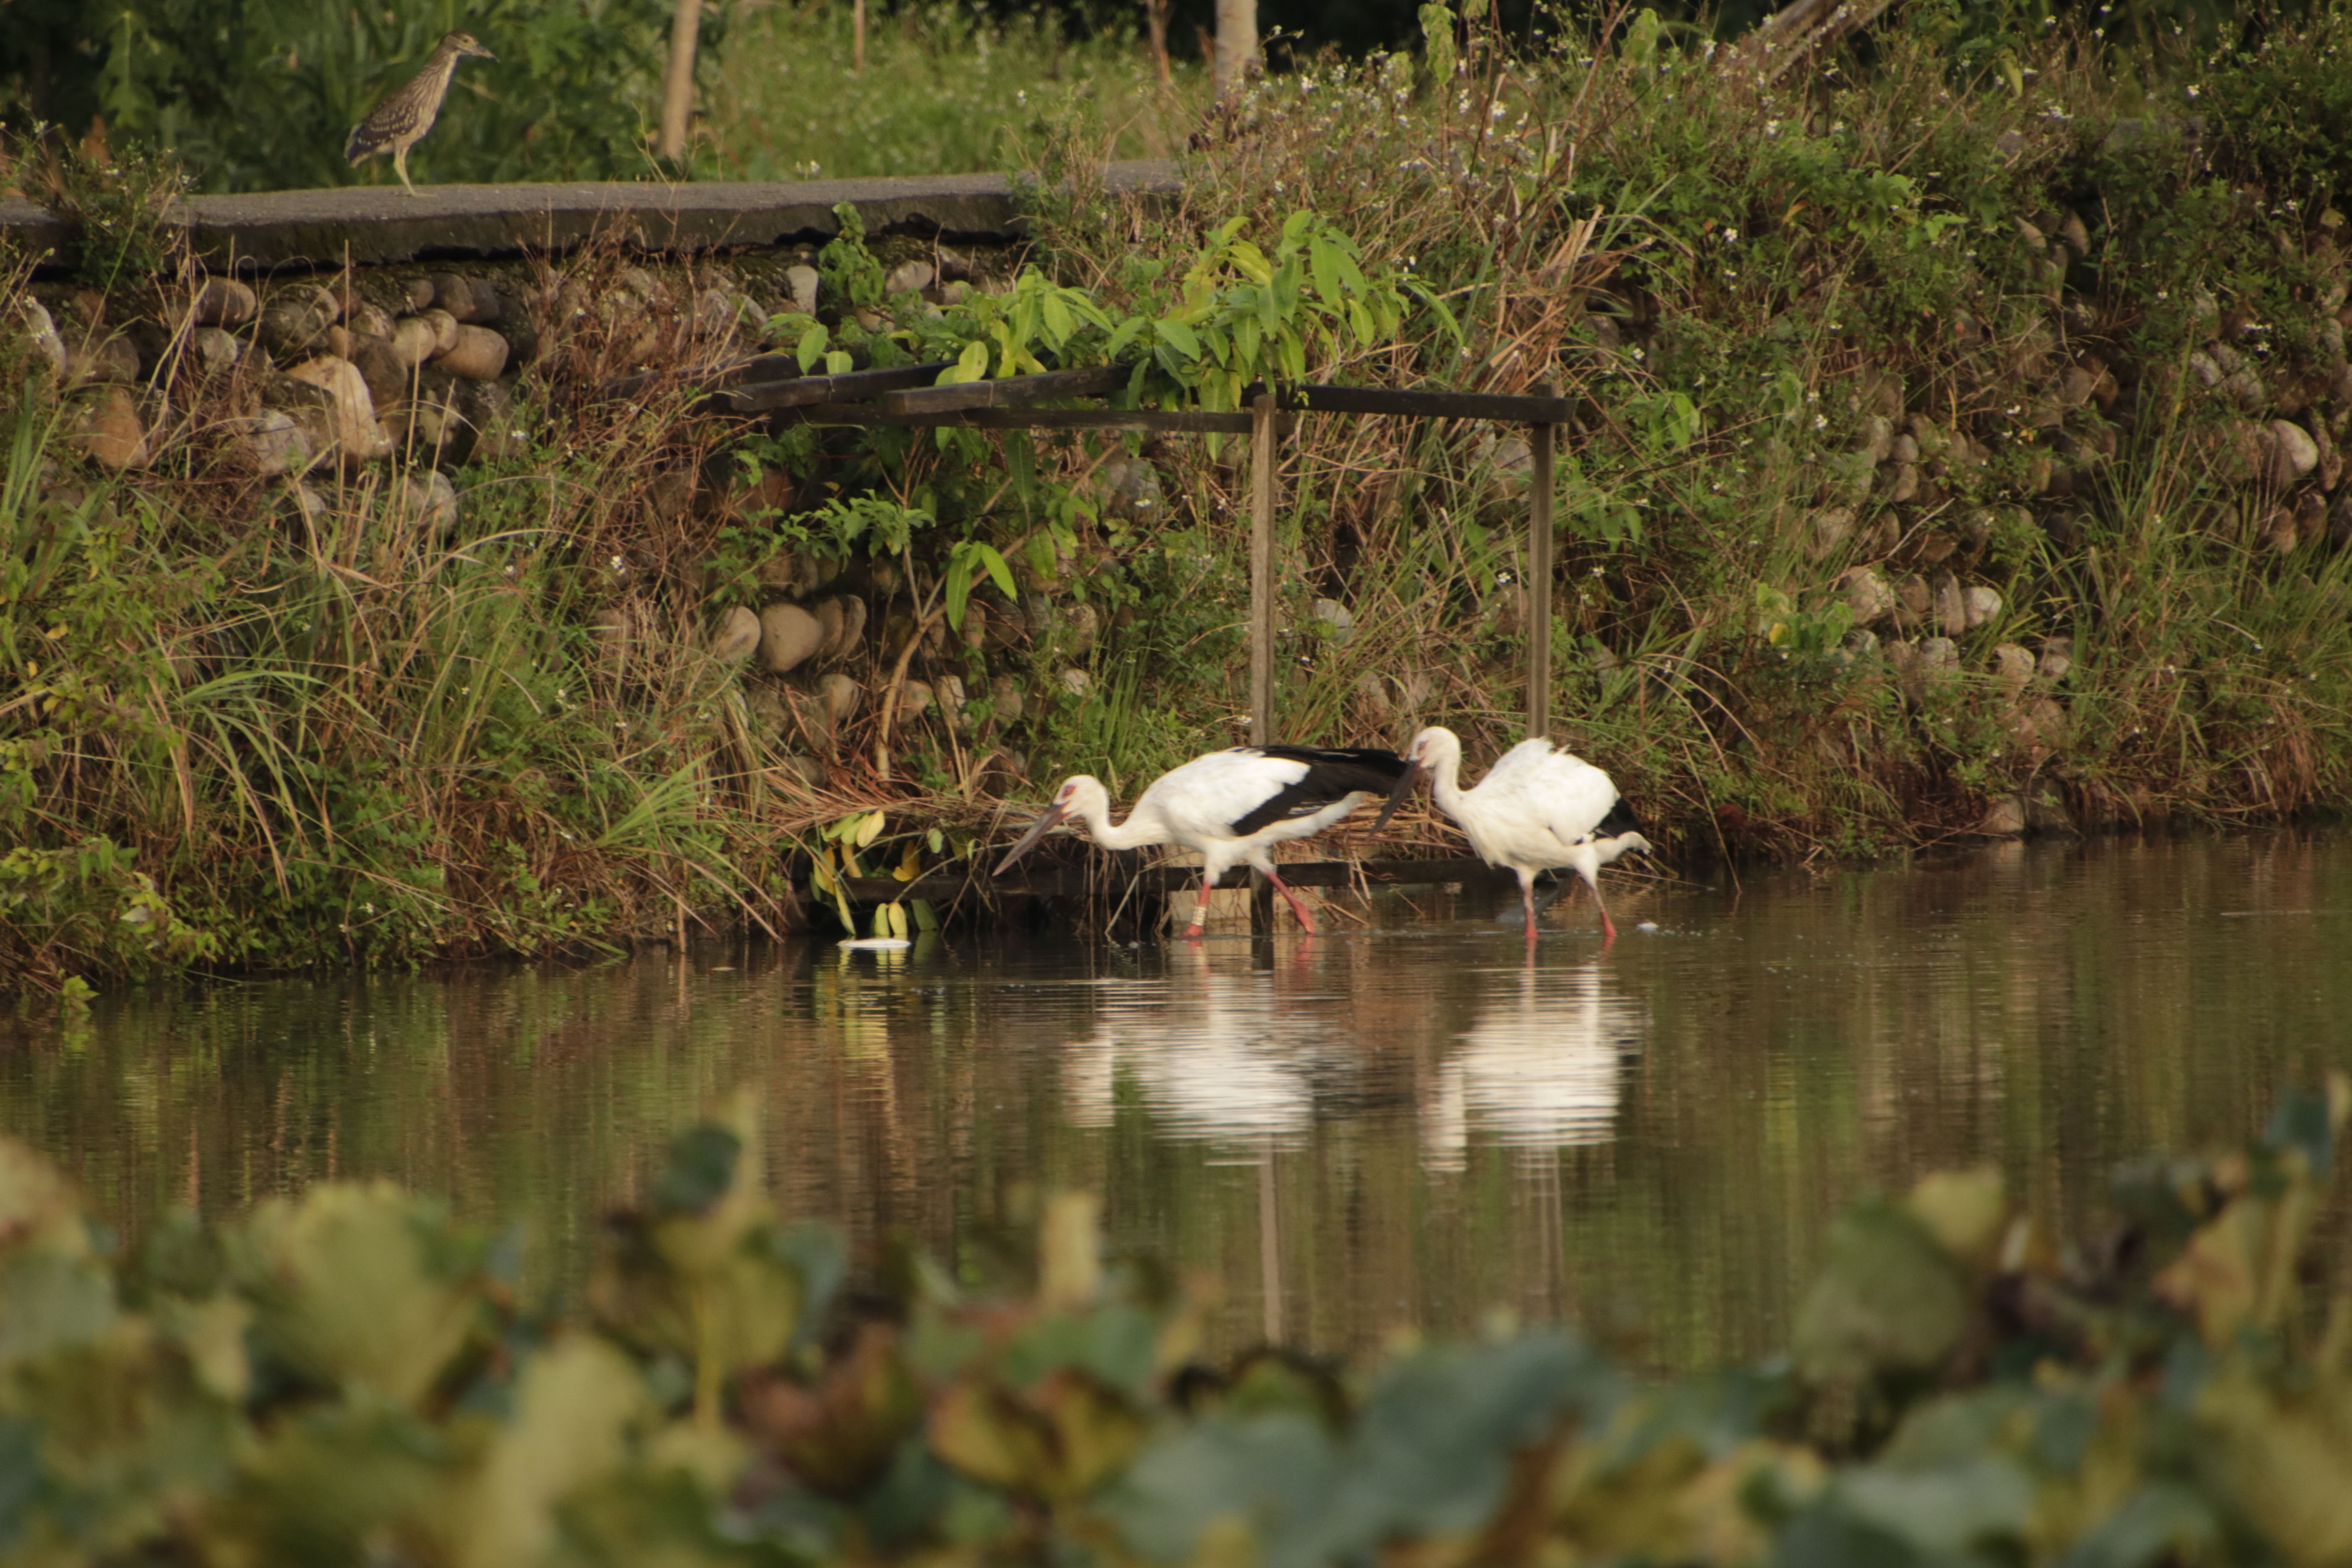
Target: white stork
{"x": 1231, "y": 806}
{"x": 1537, "y": 809}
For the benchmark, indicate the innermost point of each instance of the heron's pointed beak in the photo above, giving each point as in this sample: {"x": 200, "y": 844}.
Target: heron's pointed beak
{"x": 481, "y": 53}
{"x": 1046, "y": 824}
{"x": 1405, "y": 781}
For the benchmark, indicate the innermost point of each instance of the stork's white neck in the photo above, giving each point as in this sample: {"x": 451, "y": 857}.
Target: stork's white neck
{"x": 1090, "y": 804}
{"x": 1441, "y": 755}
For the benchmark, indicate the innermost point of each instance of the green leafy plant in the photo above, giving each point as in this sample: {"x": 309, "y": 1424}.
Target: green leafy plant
{"x": 346, "y": 1372}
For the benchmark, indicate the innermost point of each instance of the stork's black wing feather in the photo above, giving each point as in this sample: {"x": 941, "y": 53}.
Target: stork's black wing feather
{"x": 1332, "y": 774}
{"x": 1620, "y": 819}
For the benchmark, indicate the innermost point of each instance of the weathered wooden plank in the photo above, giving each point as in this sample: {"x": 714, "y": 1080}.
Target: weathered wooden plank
{"x": 1070, "y": 881}
{"x": 1008, "y": 391}
{"x": 1418, "y": 403}
{"x": 1540, "y": 442}
{"x": 1174, "y": 422}
{"x": 801, "y": 391}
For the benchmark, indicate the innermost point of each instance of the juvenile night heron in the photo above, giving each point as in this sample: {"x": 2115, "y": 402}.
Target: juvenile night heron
{"x": 401, "y": 120}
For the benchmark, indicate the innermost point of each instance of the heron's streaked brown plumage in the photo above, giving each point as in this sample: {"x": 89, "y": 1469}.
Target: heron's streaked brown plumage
{"x": 401, "y": 120}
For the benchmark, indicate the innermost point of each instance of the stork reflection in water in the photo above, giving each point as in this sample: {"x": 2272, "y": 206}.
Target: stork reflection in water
{"x": 1540, "y": 1068}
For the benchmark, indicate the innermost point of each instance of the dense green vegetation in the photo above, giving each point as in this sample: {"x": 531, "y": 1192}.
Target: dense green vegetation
{"x": 1958, "y": 442}
{"x": 347, "y": 1377}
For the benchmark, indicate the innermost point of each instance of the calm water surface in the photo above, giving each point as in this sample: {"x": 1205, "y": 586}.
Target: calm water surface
{"x": 1385, "y": 1128}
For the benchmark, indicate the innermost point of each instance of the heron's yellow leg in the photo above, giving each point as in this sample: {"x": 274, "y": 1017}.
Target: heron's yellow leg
{"x": 400, "y": 161}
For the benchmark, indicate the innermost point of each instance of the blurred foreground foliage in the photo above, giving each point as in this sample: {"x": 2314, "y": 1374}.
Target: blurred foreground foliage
{"x": 348, "y": 1377}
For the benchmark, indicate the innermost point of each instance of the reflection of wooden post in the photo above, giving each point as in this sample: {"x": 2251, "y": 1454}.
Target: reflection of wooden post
{"x": 1269, "y": 1246}
{"x": 1262, "y": 590}
{"x": 1539, "y": 584}
{"x": 678, "y": 95}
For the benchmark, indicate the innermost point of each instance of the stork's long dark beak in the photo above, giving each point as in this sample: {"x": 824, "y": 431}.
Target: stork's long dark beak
{"x": 1405, "y": 781}
{"x": 1046, "y": 824}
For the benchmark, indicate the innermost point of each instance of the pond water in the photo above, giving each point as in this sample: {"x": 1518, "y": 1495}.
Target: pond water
{"x": 1395, "y": 1127}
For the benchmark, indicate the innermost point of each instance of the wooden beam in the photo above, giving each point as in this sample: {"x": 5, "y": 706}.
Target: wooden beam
{"x": 1178, "y": 421}
{"x": 1008, "y": 391}
{"x": 1262, "y": 584}
{"x": 1541, "y": 439}
{"x": 1417, "y": 404}
{"x": 801, "y": 391}
{"x": 1071, "y": 882}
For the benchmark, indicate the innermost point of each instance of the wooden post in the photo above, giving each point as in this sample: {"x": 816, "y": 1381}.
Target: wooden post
{"x": 857, "y": 39}
{"x": 1237, "y": 47}
{"x": 1538, "y": 584}
{"x": 677, "y": 92}
{"x": 1262, "y": 584}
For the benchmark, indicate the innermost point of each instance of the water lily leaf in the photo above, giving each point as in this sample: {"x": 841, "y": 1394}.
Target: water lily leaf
{"x": 2159, "y": 1521}
{"x": 343, "y": 1483}
{"x": 1271, "y": 1476}
{"x": 1889, "y": 1299}
{"x": 362, "y": 1286}
{"x": 1943, "y": 1512}
{"x": 1095, "y": 1432}
{"x": 1433, "y": 1450}
{"x": 37, "y": 1205}
{"x": 211, "y": 1334}
{"x": 701, "y": 1168}
{"x": 842, "y": 1434}
{"x": 2283, "y": 1457}
{"x": 54, "y": 1301}
{"x": 987, "y": 1432}
{"x": 573, "y": 1403}
{"x": 1963, "y": 1210}
{"x": 1069, "y": 1252}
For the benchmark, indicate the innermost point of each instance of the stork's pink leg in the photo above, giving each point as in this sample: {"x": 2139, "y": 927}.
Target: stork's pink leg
{"x": 1200, "y": 909}
{"x": 1290, "y": 897}
{"x": 1608, "y": 926}
{"x": 1527, "y": 903}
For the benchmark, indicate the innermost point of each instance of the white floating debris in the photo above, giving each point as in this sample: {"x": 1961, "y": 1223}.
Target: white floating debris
{"x": 877, "y": 943}
{"x": 1647, "y": 925}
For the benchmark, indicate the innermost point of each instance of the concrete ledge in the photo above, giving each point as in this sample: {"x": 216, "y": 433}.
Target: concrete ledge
{"x": 373, "y": 225}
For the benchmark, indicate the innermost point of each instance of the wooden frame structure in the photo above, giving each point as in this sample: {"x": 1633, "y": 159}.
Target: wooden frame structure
{"x": 906, "y": 397}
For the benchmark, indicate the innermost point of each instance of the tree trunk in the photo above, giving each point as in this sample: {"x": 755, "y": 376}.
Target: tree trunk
{"x": 1237, "y": 56}
{"x": 1155, "y": 29}
{"x": 678, "y": 95}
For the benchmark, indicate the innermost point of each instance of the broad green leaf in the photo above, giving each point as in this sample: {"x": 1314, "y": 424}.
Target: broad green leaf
{"x": 958, "y": 585}
{"x": 1889, "y": 1299}
{"x": 1324, "y": 255}
{"x": 811, "y": 347}
{"x": 1179, "y": 336}
{"x": 572, "y": 1406}
{"x": 998, "y": 571}
{"x": 362, "y": 1286}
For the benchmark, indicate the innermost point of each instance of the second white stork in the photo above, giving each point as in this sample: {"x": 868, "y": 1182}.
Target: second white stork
{"x": 1231, "y": 806}
{"x": 1537, "y": 809}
